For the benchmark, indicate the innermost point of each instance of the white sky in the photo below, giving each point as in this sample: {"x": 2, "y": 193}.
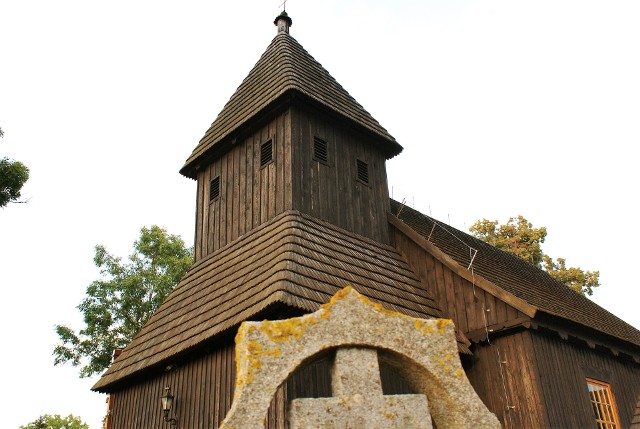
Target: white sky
{"x": 503, "y": 108}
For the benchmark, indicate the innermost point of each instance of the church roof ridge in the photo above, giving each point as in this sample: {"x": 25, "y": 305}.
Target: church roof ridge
{"x": 512, "y": 274}
{"x": 285, "y": 67}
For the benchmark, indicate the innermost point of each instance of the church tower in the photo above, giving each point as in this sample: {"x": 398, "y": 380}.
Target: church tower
{"x": 290, "y": 138}
{"x": 292, "y": 206}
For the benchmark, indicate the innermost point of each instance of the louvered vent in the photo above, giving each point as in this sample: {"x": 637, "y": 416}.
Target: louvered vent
{"x": 214, "y": 188}
{"x": 320, "y": 150}
{"x": 363, "y": 171}
{"x": 266, "y": 152}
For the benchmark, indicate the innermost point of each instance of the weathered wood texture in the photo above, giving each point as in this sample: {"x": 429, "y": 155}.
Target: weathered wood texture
{"x": 203, "y": 390}
{"x": 250, "y": 194}
{"x": 510, "y": 390}
{"x": 517, "y": 278}
{"x": 332, "y": 191}
{"x": 635, "y": 421}
{"x": 286, "y": 69}
{"x": 295, "y": 260}
{"x": 471, "y": 308}
{"x": 204, "y": 387}
{"x": 563, "y": 367}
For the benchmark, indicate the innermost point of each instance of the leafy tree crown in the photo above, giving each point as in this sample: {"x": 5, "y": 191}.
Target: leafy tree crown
{"x": 519, "y": 237}
{"x": 117, "y": 305}
{"x": 48, "y": 421}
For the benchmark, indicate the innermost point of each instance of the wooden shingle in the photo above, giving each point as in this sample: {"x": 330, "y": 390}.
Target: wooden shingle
{"x": 287, "y": 68}
{"x": 296, "y": 260}
{"x": 517, "y": 277}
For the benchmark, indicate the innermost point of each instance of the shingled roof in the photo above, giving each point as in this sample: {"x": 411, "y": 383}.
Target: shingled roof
{"x": 286, "y": 67}
{"x": 517, "y": 277}
{"x": 296, "y": 260}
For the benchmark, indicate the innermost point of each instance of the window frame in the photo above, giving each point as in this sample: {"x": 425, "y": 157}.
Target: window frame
{"x": 603, "y": 404}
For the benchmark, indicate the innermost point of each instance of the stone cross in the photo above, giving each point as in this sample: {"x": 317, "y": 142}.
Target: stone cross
{"x": 358, "y": 401}
{"x": 425, "y": 352}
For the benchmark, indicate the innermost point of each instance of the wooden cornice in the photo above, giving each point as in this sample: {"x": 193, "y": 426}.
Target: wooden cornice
{"x": 449, "y": 262}
{"x": 481, "y": 334}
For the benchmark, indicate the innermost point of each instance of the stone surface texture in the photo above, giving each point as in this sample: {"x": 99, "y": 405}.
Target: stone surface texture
{"x": 357, "y": 401}
{"x": 423, "y": 351}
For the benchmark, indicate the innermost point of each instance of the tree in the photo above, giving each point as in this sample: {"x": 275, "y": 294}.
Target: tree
{"x": 519, "y": 237}
{"x": 13, "y": 175}
{"x": 56, "y": 422}
{"x": 120, "y": 303}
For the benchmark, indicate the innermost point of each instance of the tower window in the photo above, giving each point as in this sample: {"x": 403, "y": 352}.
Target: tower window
{"x": 320, "y": 150}
{"x": 363, "y": 171}
{"x": 214, "y": 189}
{"x": 266, "y": 152}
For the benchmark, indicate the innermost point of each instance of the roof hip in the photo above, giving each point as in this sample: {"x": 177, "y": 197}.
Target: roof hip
{"x": 286, "y": 66}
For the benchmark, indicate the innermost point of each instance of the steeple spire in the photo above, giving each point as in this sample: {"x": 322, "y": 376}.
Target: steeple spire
{"x": 283, "y": 22}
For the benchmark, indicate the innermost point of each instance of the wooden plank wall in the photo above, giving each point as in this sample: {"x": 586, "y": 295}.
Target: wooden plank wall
{"x": 250, "y": 194}
{"x": 473, "y": 309}
{"x": 510, "y": 390}
{"x": 203, "y": 389}
{"x": 331, "y": 192}
{"x": 564, "y": 367}
{"x": 466, "y": 305}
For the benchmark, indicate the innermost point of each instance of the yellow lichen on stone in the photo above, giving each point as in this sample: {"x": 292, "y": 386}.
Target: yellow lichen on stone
{"x": 390, "y": 416}
{"x": 280, "y": 331}
{"x": 459, "y": 373}
{"x": 424, "y": 328}
{"x": 274, "y": 352}
{"x": 380, "y": 309}
{"x": 254, "y": 351}
{"x": 442, "y": 324}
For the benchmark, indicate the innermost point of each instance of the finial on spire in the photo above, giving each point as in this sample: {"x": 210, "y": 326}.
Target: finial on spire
{"x": 283, "y": 22}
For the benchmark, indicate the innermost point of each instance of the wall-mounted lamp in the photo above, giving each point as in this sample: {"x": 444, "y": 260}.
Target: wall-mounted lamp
{"x": 167, "y": 403}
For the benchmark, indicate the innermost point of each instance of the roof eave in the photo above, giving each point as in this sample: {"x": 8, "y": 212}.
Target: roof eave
{"x": 292, "y": 95}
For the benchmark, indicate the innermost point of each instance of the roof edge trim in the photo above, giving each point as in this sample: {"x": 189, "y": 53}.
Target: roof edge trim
{"x": 481, "y": 282}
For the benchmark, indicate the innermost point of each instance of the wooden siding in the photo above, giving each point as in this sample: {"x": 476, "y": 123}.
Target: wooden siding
{"x": 518, "y": 283}
{"x": 250, "y": 195}
{"x": 330, "y": 191}
{"x": 563, "y": 367}
{"x": 286, "y": 69}
{"x": 472, "y": 309}
{"x": 204, "y": 387}
{"x": 510, "y": 390}
{"x": 294, "y": 259}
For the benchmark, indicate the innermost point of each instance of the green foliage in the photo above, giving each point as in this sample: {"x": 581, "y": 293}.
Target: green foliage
{"x": 519, "y": 237}
{"x": 118, "y": 305}
{"x": 577, "y": 280}
{"x": 56, "y": 422}
{"x": 13, "y": 175}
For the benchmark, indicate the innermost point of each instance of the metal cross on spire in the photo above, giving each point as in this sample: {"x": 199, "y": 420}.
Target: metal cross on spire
{"x": 284, "y": 5}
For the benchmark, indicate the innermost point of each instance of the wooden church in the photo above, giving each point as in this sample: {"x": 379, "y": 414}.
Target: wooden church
{"x": 293, "y": 205}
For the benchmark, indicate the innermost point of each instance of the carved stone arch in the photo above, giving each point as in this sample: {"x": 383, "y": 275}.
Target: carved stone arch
{"x": 268, "y": 352}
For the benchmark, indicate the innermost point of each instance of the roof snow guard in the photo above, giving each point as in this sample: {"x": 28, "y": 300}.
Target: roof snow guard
{"x": 285, "y": 68}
